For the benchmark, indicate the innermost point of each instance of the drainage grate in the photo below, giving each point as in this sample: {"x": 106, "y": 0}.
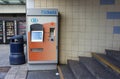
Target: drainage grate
{"x": 3, "y": 71}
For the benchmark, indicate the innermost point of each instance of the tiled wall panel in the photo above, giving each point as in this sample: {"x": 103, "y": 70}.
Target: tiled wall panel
{"x": 84, "y": 27}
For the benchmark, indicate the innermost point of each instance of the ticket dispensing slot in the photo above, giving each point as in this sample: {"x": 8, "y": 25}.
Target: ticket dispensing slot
{"x": 37, "y": 49}
{"x": 36, "y": 33}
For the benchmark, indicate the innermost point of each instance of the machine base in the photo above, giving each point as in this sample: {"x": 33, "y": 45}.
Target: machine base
{"x": 42, "y": 66}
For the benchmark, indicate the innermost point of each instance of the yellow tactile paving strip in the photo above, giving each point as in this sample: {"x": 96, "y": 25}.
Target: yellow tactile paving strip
{"x": 60, "y": 72}
{"x": 117, "y": 69}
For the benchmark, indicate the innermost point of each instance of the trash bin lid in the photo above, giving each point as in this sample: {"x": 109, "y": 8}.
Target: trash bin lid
{"x": 17, "y": 37}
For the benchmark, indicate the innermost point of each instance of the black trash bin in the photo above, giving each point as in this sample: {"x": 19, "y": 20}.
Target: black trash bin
{"x": 17, "y": 56}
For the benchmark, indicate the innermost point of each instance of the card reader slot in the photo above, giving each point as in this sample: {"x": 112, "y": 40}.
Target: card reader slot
{"x": 52, "y": 34}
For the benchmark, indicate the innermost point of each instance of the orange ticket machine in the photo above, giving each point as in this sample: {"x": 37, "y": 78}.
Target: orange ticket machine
{"x": 42, "y": 39}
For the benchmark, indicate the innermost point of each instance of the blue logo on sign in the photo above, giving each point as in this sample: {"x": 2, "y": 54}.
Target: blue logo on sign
{"x": 34, "y": 20}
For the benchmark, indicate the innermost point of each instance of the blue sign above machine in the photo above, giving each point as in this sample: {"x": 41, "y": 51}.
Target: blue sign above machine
{"x": 42, "y": 12}
{"x": 49, "y": 12}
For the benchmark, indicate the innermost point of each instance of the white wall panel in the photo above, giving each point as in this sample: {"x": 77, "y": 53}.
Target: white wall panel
{"x": 12, "y": 8}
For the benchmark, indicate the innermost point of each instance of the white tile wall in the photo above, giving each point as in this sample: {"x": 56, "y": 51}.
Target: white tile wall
{"x": 84, "y": 27}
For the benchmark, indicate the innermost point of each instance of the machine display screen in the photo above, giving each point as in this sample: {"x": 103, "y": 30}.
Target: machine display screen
{"x": 37, "y": 36}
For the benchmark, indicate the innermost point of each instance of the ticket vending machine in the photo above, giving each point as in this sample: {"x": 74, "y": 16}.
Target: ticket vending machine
{"x": 42, "y": 39}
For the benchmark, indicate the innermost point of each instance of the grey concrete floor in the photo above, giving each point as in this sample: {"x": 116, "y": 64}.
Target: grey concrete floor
{"x": 4, "y": 54}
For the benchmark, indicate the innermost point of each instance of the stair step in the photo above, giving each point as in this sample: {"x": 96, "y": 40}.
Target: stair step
{"x": 114, "y": 62}
{"x": 67, "y": 73}
{"x": 114, "y": 65}
{"x": 113, "y": 54}
{"x": 79, "y": 70}
{"x": 99, "y": 71}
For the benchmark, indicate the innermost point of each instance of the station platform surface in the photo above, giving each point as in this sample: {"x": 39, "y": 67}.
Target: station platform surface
{"x": 85, "y": 68}
{"x": 15, "y": 71}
